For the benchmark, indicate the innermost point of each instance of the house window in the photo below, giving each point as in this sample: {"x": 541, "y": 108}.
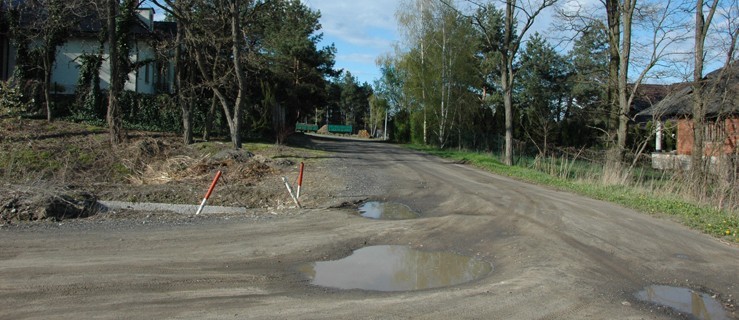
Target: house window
{"x": 146, "y": 73}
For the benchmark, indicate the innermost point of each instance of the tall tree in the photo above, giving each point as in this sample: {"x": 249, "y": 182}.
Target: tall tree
{"x": 515, "y": 13}
{"x": 702, "y": 25}
{"x": 589, "y": 109}
{"x": 113, "y": 116}
{"x": 661, "y": 22}
{"x": 439, "y": 67}
{"x": 296, "y": 67}
{"x": 182, "y": 57}
{"x": 379, "y": 109}
{"x": 212, "y": 26}
{"x": 390, "y": 88}
{"x": 415, "y": 17}
{"x": 354, "y": 101}
{"x": 543, "y": 87}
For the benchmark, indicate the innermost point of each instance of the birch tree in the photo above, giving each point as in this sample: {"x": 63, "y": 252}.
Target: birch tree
{"x": 414, "y": 17}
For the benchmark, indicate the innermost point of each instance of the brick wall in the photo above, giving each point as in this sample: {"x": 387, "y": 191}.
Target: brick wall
{"x": 727, "y": 131}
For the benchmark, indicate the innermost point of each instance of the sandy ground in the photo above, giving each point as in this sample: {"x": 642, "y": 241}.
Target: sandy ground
{"x": 555, "y": 255}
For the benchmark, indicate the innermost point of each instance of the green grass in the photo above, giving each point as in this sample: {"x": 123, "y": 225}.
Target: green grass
{"x": 29, "y": 160}
{"x": 719, "y": 223}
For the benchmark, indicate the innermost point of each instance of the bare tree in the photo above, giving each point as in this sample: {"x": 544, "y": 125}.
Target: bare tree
{"x": 209, "y": 25}
{"x": 702, "y": 25}
{"x": 518, "y": 19}
{"x": 661, "y": 26}
{"x": 115, "y": 123}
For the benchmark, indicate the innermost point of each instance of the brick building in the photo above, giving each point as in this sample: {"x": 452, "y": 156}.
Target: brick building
{"x": 721, "y": 132}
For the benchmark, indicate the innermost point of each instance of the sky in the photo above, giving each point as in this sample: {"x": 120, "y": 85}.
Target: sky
{"x": 362, "y": 30}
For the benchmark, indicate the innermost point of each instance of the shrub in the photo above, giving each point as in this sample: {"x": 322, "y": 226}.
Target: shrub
{"x": 11, "y": 99}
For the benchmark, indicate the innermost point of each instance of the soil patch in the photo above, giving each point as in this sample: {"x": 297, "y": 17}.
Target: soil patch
{"x": 61, "y": 169}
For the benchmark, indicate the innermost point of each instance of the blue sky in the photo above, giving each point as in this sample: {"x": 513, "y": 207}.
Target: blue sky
{"x": 362, "y": 30}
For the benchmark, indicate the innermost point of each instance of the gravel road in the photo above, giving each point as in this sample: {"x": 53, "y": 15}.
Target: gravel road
{"x": 555, "y": 255}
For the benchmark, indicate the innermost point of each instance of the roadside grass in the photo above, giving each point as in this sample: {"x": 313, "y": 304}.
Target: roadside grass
{"x": 582, "y": 178}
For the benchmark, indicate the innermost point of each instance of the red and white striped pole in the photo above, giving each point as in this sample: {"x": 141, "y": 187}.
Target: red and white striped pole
{"x": 300, "y": 179}
{"x": 210, "y": 190}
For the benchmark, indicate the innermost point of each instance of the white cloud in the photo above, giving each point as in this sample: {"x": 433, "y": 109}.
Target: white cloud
{"x": 359, "y": 22}
{"x": 364, "y": 58}
{"x": 361, "y": 30}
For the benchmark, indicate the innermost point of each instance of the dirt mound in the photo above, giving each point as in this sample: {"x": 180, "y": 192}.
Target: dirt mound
{"x": 323, "y": 130}
{"x": 363, "y": 134}
{"x": 30, "y": 207}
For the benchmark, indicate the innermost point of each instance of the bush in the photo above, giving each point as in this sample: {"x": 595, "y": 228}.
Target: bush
{"x": 11, "y": 99}
{"x": 150, "y": 112}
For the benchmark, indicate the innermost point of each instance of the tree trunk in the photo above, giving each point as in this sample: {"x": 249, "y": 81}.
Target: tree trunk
{"x": 507, "y": 79}
{"x": 233, "y": 111}
{"x": 423, "y": 76}
{"x": 614, "y": 42}
{"x": 47, "y": 92}
{"x": 240, "y": 77}
{"x": 210, "y": 118}
{"x": 613, "y": 156}
{"x": 182, "y": 100}
{"x": 699, "y": 109}
{"x": 623, "y": 78}
{"x": 113, "y": 116}
{"x": 508, "y": 104}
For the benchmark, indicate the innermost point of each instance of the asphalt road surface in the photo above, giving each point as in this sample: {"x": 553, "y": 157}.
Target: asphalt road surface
{"x": 555, "y": 255}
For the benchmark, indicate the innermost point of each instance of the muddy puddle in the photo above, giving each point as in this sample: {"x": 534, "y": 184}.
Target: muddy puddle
{"x": 386, "y": 211}
{"x": 697, "y": 304}
{"x": 395, "y": 268}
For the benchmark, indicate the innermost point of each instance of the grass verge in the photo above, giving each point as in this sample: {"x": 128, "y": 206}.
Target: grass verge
{"x": 719, "y": 223}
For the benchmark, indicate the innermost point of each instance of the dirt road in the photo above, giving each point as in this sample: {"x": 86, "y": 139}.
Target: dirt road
{"x": 555, "y": 255}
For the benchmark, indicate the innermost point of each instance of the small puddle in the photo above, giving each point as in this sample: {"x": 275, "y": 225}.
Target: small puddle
{"x": 698, "y": 304}
{"x": 386, "y": 211}
{"x": 395, "y": 268}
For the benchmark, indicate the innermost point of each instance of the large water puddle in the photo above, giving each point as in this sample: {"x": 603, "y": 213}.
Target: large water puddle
{"x": 698, "y": 304}
{"x": 386, "y": 211}
{"x": 395, "y": 268}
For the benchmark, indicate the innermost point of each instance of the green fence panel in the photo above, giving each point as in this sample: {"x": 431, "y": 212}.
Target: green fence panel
{"x": 338, "y": 128}
{"x": 305, "y": 127}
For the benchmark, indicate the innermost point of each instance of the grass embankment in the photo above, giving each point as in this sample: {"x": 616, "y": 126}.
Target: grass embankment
{"x": 720, "y": 223}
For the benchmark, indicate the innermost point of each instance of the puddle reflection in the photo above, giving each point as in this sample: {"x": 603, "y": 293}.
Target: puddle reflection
{"x": 699, "y": 305}
{"x": 386, "y": 211}
{"x": 395, "y": 268}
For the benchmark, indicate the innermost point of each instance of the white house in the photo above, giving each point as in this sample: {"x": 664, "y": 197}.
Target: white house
{"x": 150, "y": 79}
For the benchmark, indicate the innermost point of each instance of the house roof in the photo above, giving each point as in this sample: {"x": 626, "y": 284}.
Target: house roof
{"x": 648, "y": 95}
{"x": 89, "y": 22}
{"x": 722, "y": 96}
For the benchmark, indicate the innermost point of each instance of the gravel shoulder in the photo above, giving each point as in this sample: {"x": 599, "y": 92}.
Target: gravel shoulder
{"x": 555, "y": 255}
